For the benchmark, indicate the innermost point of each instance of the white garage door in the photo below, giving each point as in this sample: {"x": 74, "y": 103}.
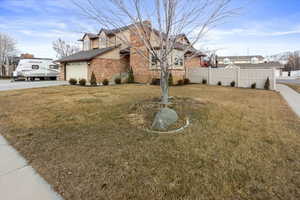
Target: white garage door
{"x": 77, "y": 70}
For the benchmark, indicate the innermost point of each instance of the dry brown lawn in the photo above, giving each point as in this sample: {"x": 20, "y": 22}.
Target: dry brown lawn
{"x": 242, "y": 143}
{"x": 293, "y": 86}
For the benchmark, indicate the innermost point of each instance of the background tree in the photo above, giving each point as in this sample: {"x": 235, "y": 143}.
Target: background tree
{"x": 169, "y": 19}
{"x": 63, "y": 48}
{"x": 7, "y": 51}
{"x": 211, "y": 59}
{"x": 293, "y": 62}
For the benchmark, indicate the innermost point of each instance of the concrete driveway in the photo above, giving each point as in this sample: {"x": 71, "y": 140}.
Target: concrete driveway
{"x": 9, "y": 85}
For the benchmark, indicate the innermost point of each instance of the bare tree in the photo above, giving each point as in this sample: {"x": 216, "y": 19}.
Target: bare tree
{"x": 293, "y": 62}
{"x": 158, "y": 24}
{"x": 7, "y": 50}
{"x": 63, "y": 48}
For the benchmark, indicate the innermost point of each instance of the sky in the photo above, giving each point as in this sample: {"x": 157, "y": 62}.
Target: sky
{"x": 261, "y": 27}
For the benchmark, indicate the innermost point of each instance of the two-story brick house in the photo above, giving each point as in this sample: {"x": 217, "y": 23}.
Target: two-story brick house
{"x": 111, "y": 53}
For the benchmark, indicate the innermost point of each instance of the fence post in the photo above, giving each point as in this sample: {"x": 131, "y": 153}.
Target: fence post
{"x": 274, "y": 78}
{"x": 209, "y": 75}
{"x": 238, "y": 77}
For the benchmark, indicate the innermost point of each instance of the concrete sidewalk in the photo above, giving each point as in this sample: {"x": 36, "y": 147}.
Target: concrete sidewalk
{"x": 291, "y": 96}
{"x": 18, "y": 180}
{"x": 8, "y": 85}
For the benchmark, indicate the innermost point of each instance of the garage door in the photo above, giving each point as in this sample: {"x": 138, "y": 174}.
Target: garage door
{"x": 77, "y": 70}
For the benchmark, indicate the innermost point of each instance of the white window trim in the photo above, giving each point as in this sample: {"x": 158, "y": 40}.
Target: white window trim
{"x": 173, "y": 66}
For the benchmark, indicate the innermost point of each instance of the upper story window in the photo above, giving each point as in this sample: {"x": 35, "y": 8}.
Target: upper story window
{"x": 178, "y": 61}
{"x": 154, "y": 61}
{"x": 177, "y": 58}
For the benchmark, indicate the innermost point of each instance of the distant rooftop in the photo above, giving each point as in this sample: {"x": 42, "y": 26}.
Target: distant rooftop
{"x": 241, "y": 57}
{"x": 268, "y": 65}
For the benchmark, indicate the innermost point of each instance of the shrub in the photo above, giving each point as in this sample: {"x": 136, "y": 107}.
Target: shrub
{"x": 130, "y": 76}
{"x": 73, "y": 81}
{"x": 180, "y": 82}
{"x": 186, "y": 81}
{"x": 93, "y": 80}
{"x": 232, "y": 84}
{"x": 82, "y": 82}
{"x": 253, "y": 86}
{"x": 204, "y": 81}
{"x": 155, "y": 81}
{"x": 118, "y": 81}
{"x": 105, "y": 82}
{"x": 219, "y": 83}
{"x": 170, "y": 79}
{"x": 267, "y": 84}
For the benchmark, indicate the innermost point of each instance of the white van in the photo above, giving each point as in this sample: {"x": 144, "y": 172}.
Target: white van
{"x": 31, "y": 69}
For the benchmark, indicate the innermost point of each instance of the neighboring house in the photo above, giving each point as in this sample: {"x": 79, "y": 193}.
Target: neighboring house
{"x": 108, "y": 56}
{"x": 255, "y": 59}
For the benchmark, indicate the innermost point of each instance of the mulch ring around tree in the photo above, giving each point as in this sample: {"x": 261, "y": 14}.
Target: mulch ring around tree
{"x": 141, "y": 114}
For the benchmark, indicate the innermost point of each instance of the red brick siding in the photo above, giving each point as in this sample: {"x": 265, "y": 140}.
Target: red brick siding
{"x": 193, "y": 62}
{"x": 104, "y": 68}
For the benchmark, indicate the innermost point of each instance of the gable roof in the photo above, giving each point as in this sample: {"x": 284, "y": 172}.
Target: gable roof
{"x": 268, "y": 65}
{"x": 85, "y": 55}
{"x": 90, "y": 35}
{"x": 110, "y": 32}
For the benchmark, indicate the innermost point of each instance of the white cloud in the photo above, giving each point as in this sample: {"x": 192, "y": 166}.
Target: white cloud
{"x": 257, "y": 38}
{"x": 218, "y": 34}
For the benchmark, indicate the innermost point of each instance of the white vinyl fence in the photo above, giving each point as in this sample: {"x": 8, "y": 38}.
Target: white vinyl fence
{"x": 242, "y": 77}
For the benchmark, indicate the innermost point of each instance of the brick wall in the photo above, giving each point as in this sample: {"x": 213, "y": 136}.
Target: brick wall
{"x": 193, "y": 62}
{"x": 104, "y": 68}
{"x": 61, "y": 75}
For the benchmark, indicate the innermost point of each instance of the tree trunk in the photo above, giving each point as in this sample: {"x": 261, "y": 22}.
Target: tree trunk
{"x": 164, "y": 84}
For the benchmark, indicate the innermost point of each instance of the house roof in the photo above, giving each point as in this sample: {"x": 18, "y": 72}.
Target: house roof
{"x": 90, "y": 35}
{"x": 85, "y": 55}
{"x": 114, "y": 31}
{"x": 157, "y": 32}
{"x": 268, "y": 65}
{"x": 178, "y": 45}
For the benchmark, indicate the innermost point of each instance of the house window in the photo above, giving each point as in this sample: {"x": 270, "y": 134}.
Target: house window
{"x": 35, "y": 67}
{"x": 178, "y": 61}
{"x": 154, "y": 61}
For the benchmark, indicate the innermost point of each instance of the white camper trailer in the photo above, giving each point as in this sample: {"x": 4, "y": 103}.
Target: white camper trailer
{"x": 36, "y": 68}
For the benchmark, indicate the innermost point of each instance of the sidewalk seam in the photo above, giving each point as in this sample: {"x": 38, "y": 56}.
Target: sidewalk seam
{"x": 11, "y": 171}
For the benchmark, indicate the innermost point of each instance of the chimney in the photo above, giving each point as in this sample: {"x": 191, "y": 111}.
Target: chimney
{"x": 147, "y": 23}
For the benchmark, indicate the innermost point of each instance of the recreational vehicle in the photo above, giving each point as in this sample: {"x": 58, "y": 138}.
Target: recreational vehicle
{"x": 36, "y": 68}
